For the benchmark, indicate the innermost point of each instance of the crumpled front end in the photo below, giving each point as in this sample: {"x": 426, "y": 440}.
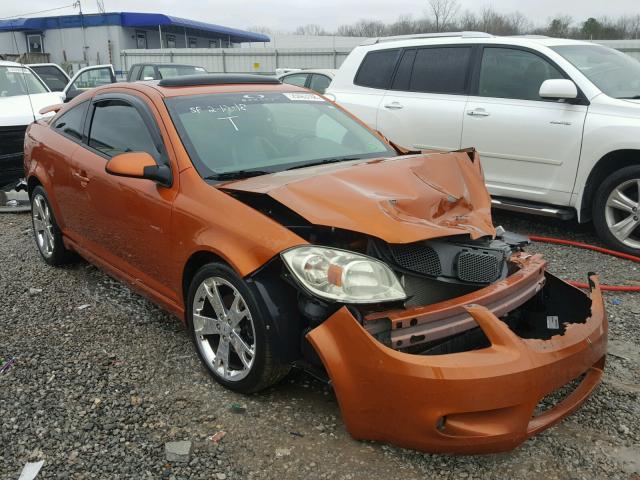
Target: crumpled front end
{"x": 477, "y": 391}
{"x": 452, "y": 334}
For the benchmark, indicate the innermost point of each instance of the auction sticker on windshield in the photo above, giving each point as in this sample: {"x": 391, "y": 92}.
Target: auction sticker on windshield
{"x": 306, "y": 97}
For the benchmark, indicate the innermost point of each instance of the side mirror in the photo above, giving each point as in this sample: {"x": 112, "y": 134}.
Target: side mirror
{"x": 558, "y": 88}
{"x": 139, "y": 165}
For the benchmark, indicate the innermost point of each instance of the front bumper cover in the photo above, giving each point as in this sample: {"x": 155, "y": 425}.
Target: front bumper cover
{"x": 478, "y": 401}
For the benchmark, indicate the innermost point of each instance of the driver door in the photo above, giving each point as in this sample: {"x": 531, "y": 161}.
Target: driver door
{"x": 126, "y": 220}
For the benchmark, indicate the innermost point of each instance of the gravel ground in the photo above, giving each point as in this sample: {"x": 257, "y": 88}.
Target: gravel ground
{"x": 103, "y": 380}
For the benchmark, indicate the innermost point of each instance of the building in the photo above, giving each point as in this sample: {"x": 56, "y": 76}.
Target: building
{"x": 79, "y": 40}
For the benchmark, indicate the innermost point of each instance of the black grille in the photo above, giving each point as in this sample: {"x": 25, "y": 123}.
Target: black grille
{"x": 478, "y": 267}
{"x": 417, "y": 258}
{"x": 11, "y": 147}
{"x": 11, "y": 140}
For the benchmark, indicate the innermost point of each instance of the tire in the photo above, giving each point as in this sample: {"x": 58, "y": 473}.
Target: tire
{"x": 47, "y": 233}
{"x": 616, "y": 210}
{"x": 248, "y": 366}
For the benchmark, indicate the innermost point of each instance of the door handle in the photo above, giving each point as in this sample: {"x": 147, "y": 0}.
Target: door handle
{"x": 394, "y": 106}
{"x": 81, "y": 176}
{"x": 478, "y": 112}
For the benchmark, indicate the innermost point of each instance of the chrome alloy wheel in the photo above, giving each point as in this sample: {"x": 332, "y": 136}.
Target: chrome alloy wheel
{"x": 622, "y": 212}
{"x": 224, "y": 329}
{"x": 42, "y": 225}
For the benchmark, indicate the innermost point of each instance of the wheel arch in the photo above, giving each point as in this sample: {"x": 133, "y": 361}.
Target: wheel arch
{"x": 276, "y": 298}
{"x": 32, "y": 182}
{"x": 197, "y": 260}
{"x": 609, "y": 163}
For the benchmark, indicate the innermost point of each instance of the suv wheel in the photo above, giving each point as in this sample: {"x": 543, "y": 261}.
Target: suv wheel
{"x": 616, "y": 210}
{"x": 46, "y": 231}
{"x": 228, "y": 331}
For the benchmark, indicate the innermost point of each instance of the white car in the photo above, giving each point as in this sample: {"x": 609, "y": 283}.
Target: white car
{"x": 556, "y": 122}
{"x": 317, "y": 80}
{"x": 22, "y": 95}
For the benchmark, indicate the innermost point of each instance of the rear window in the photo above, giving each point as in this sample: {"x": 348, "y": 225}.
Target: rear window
{"x": 377, "y": 68}
{"x": 440, "y": 70}
{"x": 403, "y": 75}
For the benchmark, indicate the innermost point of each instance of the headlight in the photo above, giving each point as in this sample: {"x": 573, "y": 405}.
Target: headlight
{"x": 342, "y": 275}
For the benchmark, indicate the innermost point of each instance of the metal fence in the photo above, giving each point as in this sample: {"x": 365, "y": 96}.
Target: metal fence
{"x": 240, "y": 60}
{"x": 266, "y": 60}
{"x": 630, "y": 47}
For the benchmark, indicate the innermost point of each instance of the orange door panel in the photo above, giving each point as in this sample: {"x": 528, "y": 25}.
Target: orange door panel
{"x": 125, "y": 221}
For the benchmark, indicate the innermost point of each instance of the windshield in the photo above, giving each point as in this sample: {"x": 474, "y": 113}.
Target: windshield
{"x": 16, "y": 81}
{"x": 268, "y": 132}
{"x": 168, "y": 71}
{"x": 613, "y": 72}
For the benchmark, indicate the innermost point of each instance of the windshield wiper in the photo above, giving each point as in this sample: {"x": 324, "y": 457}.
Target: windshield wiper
{"x": 237, "y": 175}
{"x": 325, "y": 161}
{"x": 635, "y": 97}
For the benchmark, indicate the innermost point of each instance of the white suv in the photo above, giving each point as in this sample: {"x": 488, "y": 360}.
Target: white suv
{"x": 556, "y": 122}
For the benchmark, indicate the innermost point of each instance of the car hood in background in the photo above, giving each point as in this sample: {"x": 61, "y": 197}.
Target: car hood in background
{"x": 400, "y": 200}
{"x": 17, "y": 110}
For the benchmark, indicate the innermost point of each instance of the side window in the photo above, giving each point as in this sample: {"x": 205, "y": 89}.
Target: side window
{"x": 135, "y": 73}
{"x": 511, "y": 73}
{"x": 319, "y": 83}
{"x": 403, "y": 75}
{"x": 297, "y": 79}
{"x": 148, "y": 73}
{"x": 376, "y": 69}
{"x": 71, "y": 122}
{"x": 53, "y": 77}
{"x": 440, "y": 70}
{"x": 117, "y": 127}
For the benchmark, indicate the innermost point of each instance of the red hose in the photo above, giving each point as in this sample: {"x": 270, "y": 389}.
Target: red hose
{"x": 610, "y": 288}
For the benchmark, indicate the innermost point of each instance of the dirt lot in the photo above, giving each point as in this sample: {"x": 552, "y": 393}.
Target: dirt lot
{"x": 103, "y": 379}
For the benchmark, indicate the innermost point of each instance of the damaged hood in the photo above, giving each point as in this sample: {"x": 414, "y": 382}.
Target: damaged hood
{"x": 399, "y": 200}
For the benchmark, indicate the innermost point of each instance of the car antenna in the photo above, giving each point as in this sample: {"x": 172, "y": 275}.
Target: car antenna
{"x": 23, "y": 67}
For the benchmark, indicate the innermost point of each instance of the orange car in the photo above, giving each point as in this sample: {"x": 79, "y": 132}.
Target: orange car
{"x": 283, "y": 232}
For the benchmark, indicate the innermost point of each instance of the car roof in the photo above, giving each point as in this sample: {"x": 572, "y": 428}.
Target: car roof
{"x": 331, "y": 72}
{"x": 164, "y": 64}
{"x": 153, "y": 88}
{"x": 467, "y": 38}
{"x": 6, "y": 63}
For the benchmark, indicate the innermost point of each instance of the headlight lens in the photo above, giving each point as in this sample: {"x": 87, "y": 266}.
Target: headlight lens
{"x": 342, "y": 275}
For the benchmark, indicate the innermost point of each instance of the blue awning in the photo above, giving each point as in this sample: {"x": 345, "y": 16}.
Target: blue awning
{"x": 129, "y": 19}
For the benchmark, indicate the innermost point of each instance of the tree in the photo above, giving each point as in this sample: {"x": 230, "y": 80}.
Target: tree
{"x": 403, "y": 26}
{"x": 363, "y": 28}
{"x": 261, "y": 29}
{"x": 310, "y": 29}
{"x": 498, "y": 24}
{"x": 591, "y": 28}
{"x": 559, "y": 27}
{"x": 633, "y": 31}
{"x": 443, "y": 12}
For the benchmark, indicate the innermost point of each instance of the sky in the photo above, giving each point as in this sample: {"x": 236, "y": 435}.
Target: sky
{"x": 286, "y": 15}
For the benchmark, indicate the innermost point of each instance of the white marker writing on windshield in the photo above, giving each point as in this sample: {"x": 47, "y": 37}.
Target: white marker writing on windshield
{"x": 231, "y": 120}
